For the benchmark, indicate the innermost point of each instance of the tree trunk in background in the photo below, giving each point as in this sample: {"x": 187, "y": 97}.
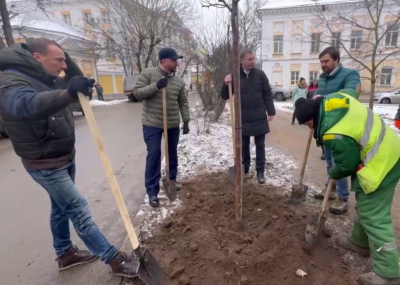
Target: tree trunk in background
{"x": 5, "y": 17}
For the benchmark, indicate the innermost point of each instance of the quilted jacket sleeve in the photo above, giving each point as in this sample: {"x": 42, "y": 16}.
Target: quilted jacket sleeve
{"x": 144, "y": 89}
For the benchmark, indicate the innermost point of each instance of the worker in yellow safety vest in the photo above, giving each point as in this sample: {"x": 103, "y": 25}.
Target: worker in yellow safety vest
{"x": 364, "y": 148}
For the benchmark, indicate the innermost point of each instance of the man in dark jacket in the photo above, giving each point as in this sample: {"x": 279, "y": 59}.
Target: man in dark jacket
{"x": 34, "y": 107}
{"x": 334, "y": 78}
{"x": 256, "y": 102}
{"x": 99, "y": 91}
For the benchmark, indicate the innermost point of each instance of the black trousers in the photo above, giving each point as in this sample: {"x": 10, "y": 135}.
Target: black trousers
{"x": 260, "y": 152}
{"x": 293, "y": 118}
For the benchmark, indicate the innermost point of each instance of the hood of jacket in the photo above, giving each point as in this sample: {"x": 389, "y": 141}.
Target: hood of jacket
{"x": 19, "y": 58}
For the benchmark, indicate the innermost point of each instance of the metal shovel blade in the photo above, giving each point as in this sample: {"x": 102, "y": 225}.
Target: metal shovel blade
{"x": 149, "y": 270}
{"x": 299, "y": 193}
{"x": 314, "y": 229}
{"x": 170, "y": 189}
{"x": 232, "y": 174}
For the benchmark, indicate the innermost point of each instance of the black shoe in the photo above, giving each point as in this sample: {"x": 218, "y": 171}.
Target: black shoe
{"x": 322, "y": 157}
{"x": 260, "y": 177}
{"x": 154, "y": 202}
{"x": 74, "y": 257}
{"x": 124, "y": 266}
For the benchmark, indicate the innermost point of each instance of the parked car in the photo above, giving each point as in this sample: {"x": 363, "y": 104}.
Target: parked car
{"x": 281, "y": 94}
{"x": 2, "y": 130}
{"x": 392, "y": 97}
{"x": 129, "y": 84}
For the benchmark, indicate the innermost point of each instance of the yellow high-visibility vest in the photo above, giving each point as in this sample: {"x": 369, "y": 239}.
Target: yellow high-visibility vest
{"x": 379, "y": 144}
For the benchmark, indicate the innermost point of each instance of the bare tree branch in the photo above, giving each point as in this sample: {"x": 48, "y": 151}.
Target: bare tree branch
{"x": 377, "y": 38}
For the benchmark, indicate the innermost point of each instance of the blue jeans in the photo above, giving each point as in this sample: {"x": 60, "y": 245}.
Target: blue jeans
{"x": 152, "y": 137}
{"x": 342, "y": 186}
{"x": 68, "y": 204}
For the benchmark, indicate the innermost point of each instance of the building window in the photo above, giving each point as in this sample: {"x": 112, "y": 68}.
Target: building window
{"x": 278, "y": 44}
{"x": 105, "y": 17}
{"x": 315, "y": 42}
{"x": 335, "y": 41}
{"x": 313, "y": 76}
{"x": 356, "y": 37}
{"x": 88, "y": 18}
{"x": 109, "y": 49}
{"x": 392, "y": 35}
{"x": 294, "y": 77}
{"x": 386, "y": 76}
{"x": 67, "y": 19}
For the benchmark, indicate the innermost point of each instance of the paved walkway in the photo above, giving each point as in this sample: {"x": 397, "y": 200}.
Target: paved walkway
{"x": 292, "y": 141}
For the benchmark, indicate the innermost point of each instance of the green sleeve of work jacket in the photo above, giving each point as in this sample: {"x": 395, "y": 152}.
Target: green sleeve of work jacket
{"x": 346, "y": 156}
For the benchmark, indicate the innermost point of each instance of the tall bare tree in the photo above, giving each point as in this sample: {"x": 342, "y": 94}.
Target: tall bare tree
{"x": 5, "y": 21}
{"x": 367, "y": 31}
{"x": 250, "y": 24}
{"x": 150, "y": 24}
{"x": 233, "y": 8}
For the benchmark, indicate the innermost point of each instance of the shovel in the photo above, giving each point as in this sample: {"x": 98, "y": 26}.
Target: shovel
{"x": 231, "y": 170}
{"x": 170, "y": 187}
{"x": 148, "y": 268}
{"x": 299, "y": 190}
{"x": 317, "y": 222}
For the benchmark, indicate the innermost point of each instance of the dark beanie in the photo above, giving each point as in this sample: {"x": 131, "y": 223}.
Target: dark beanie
{"x": 306, "y": 109}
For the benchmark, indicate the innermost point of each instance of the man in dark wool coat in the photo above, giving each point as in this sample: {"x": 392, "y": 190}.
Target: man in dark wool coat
{"x": 257, "y": 110}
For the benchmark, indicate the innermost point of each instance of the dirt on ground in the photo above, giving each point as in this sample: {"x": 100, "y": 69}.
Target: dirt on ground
{"x": 202, "y": 244}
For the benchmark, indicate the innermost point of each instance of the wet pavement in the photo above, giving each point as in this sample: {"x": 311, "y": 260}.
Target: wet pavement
{"x": 26, "y": 252}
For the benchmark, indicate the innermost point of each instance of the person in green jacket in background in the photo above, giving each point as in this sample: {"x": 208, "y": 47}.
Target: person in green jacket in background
{"x": 335, "y": 77}
{"x": 364, "y": 148}
{"x": 301, "y": 91}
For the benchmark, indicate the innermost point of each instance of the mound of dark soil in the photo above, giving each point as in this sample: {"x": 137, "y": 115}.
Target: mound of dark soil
{"x": 202, "y": 243}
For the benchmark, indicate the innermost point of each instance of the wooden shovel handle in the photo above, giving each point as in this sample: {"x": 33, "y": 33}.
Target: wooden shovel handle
{"x": 165, "y": 121}
{"x": 326, "y": 196}
{"x": 232, "y": 117}
{"x": 108, "y": 169}
{"x": 303, "y": 166}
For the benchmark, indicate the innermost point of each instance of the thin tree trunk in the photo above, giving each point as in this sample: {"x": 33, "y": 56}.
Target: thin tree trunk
{"x": 238, "y": 117}
{"x": 5, "y": 17}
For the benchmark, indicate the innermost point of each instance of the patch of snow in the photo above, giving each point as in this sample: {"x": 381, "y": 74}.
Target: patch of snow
{"x": 284, "y": 106}
{"x": 98, "y": 103}
{"x": 209, "y": 149}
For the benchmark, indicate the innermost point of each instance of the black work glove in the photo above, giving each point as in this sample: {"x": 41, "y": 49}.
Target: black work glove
{"x": 185, "y": 128}
{"x": 80, "y": 84}
{"x": 162, "y": 83}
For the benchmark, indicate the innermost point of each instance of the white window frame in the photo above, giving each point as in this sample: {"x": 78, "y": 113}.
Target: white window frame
{"x": 294, "y": 77}
{"x": 314, "y": 75}
{"x": 67, "y": 19}
{"x": 106, "y": 17}
{"x": 392, "y": 35}
{"x": 356, "y": 40}
{"x": 315, "y": 42}
{"x": 88, "y": 17}
{"x": 335, "y": 41}
{"x": 385, "y": 78}
{"x": 278, "y": 45}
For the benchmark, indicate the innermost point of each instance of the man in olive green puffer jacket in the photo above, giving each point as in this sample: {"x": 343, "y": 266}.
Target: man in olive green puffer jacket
{"x": 148, "y": 90}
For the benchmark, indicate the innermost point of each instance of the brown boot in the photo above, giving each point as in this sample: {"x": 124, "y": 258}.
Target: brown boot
{"x": 372, "y": 278}
{"x": 346, "y": 243}
{"x": 74, "y": 257}
{"x": 125, "y": 266}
